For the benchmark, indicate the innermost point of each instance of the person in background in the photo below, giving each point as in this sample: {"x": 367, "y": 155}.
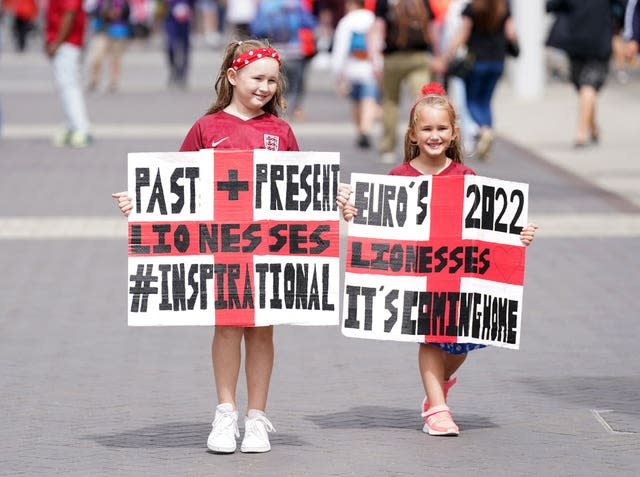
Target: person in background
{"x": 617, "y": 45}
{"x": 178, "y": 21}
{"x": 455, "y": 86}
{"x": 287, "y": 25}
{"x": 486, "y": 28}
{"x": 589, "y": 55}
{"x": 110, "y": 38}
{"x": 350, "y": 63}
{"x": 400, "y": 42}
{"x": 210, "y": 15}
{"x": 631, "y": 33}
{"x": 65, "y": 26}
{"x": 25, "y": 14}
{"x": 239, "y": 15}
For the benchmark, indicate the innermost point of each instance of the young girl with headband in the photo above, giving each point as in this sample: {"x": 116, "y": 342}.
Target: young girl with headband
{"x": 432, "y": 147}
{"x": 243, "y": 116}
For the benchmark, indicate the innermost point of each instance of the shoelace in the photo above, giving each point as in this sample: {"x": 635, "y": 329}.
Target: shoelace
{"x": 225, "y": 421}
{"x": 251, "y": 425}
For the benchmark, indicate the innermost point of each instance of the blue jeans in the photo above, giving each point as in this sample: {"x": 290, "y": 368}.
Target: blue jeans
{"x": 178, "y": 48}
{"x": 480, "y": 84}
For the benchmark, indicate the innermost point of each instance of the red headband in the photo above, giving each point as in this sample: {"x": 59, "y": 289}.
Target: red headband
{"x": 433, "y": 88}
{"x": 252, "y": 55}
{"x": 428, "y": 89}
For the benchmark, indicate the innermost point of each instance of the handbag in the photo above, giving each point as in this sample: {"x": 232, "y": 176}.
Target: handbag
{"x": 512, "y": 48}
{"x": 461, "y": 65}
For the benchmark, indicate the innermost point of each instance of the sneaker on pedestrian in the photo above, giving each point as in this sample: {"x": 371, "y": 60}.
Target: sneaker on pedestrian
{"x": 61, "y": 138}
{"x": 363, "y": 141}
{"x": 256, "y": 429}
{"x": 438, "y": 422}
{"x": 388, "y": 158}
{"x": 622, "y": 76}
{"x": 448, "y": 384}
{"x": 485, "y": 140}
{"x": 224, "y": 432}
{"x": 79, "y": 139}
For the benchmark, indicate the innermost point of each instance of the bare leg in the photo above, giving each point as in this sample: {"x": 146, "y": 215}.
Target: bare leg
{"x": 96, "y": 68}
{"x": 225, "y": 354}
{"x": 356, "y": 111}
{"x": 586, "y": 113}
{"x": 368, "y": 111}
{"x": 617, "y": 46}
{"x": 96, "y": 55}
{"x": 258, "y": 364}
{"x": 436, "y": 366}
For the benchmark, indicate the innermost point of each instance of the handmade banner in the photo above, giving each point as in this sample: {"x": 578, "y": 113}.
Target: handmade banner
{"x": 435, "y": 259}
{"x": 244, "y": 238}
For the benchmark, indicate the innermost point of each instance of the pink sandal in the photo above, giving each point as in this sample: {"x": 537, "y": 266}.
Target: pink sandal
{"x": 438, "y": 422}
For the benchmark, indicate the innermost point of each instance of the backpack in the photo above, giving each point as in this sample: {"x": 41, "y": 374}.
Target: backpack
{"x": 407, "y": 25}
{"x": 358, "y": 45}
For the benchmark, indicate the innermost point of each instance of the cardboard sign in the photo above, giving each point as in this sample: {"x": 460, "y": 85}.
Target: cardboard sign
{"x": 241, "y": 238}
{"x": 436, "y": 259}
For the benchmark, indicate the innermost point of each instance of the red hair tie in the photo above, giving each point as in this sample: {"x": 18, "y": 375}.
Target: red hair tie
{"x": 252, "y": 55}
{"x": 433, "y": 88}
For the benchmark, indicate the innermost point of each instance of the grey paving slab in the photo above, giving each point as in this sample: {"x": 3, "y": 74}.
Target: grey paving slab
{"x": 83, "y": 394}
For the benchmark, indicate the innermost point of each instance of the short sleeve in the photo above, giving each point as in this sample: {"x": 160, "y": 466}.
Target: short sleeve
{"x": 292, "y": 142}
{"x": 193, "y": 139}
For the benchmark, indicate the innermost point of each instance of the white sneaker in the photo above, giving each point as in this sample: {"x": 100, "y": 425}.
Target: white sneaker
{"x": 256, "y": 427}
{"x": 222, "y": 438}
{"x": 61, "y": 138}
{"x": 79, "y": 139}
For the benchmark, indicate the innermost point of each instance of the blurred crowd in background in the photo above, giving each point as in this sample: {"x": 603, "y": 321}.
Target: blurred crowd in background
{"x": 354, "y": 39}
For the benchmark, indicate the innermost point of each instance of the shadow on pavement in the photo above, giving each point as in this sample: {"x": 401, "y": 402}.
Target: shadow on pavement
{"x": 174, "y": 435}
{"x": 602, "y": 392}
{"x": 370, "y": 417}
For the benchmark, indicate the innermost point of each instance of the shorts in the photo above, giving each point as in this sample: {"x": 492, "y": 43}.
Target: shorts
{"x": 360, "y": 91}
{"x": 588, "y": 72}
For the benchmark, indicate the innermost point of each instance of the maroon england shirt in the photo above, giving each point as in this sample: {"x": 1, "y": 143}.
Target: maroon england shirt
{"x": 224, "y": 131}
{"x": 453, "y": 169}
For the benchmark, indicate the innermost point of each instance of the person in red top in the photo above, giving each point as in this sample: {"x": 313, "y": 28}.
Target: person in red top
{"x": 432, "y": 147}
{"x": 243, "y": 116}
{"x": 25, "y": 14}
{"x": 65, "y": 23}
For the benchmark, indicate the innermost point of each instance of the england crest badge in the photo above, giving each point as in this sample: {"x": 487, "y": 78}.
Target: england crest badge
{"x": 271, "y": 142}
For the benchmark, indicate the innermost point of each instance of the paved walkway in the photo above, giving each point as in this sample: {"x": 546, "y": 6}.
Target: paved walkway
{"x": 83, "y": 394}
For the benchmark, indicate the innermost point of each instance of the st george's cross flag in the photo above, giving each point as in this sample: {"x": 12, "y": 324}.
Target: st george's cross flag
{"x": 435, "y": 259}
{"x": 241, "y": 238}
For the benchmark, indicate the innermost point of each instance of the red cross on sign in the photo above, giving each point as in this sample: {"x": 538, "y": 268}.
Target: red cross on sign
{"x": 436, "y": 259}
{"x": 239, "y": 238}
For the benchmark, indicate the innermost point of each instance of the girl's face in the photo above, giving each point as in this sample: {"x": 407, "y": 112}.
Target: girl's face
{"x": 433, "y": 132}
{"x": 255, "y": 84}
